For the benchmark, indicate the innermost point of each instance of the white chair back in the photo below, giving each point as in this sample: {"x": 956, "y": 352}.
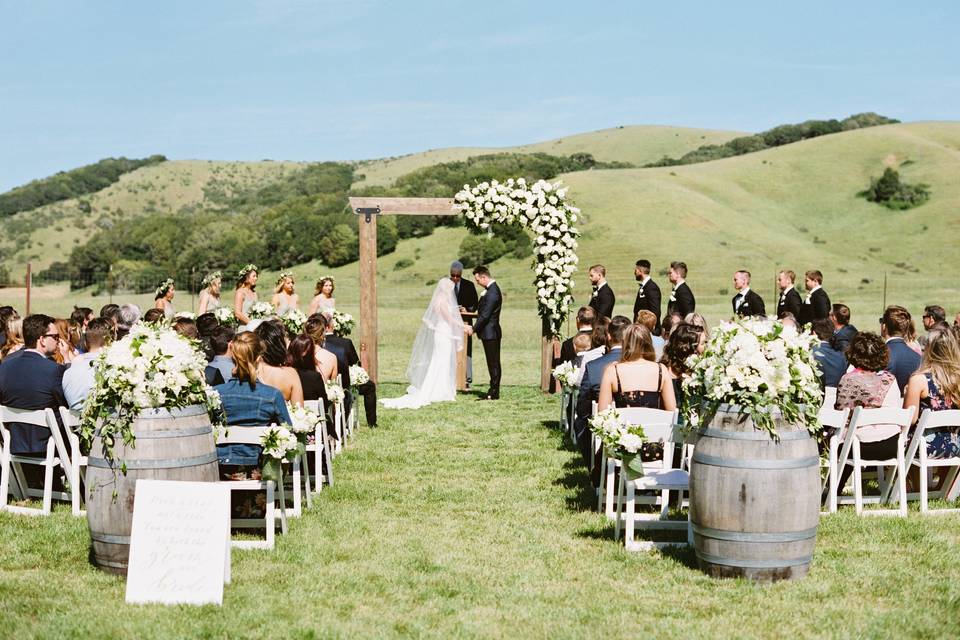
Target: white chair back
{"x": 243, "y": 435}
{"x": 658, "y": 424}
{"x": 829, "y": 397}
{"x": 833, "y": 418}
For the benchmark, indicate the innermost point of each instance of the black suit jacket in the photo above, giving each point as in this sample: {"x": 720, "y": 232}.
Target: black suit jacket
{"x": 685, "y": 302}
{"x": 752, "y": 305}
{"x": 567, "y": 352}
{"x": 467, "y": 296}
{"x": 30, "y": 381}
{"x": 335, "y": 345}
{"x": 487, "y": 326}
{"x": 789, "y": 301}
{"x": 648, "y": 298}
{"x": 817, "y": 309}
{"x": 603, "y": 300}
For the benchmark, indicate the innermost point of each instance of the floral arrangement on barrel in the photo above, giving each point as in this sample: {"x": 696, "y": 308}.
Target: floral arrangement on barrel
{"x": 293, "y": 320}
{"x": 341, "y": 323}
{"x": 566, "y": 375}
{"x": 755, "y": 364}
{"x": 543, "y": 208}
{"x": 358, "y": 376}
{"x": 152, "y": 367}
{"x": 621, "y": 439}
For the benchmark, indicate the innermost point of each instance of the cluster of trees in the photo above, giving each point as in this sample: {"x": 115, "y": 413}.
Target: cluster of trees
{"x": 893, "y": 193}
{"x": 775, "y": 137}
{"x": 71, "y": 184}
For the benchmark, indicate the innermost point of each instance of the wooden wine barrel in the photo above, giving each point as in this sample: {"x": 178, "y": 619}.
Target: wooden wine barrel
{"x": 754, "y": 502}
{"x": 175, "y": 444}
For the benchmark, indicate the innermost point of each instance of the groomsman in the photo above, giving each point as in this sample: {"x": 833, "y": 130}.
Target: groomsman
{"x": 789, "y": 297}
{"x": 467, "y": 300}
{"x": 681, "y": 298}
{"x": 816, "y": 306}
{"x": 648, "y": 294}
{"x": 747, "y": 302}
{"x": 603, "y": 298}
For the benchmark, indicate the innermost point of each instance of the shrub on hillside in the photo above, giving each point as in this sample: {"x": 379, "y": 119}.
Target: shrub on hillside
{"x": 893, "y": 193}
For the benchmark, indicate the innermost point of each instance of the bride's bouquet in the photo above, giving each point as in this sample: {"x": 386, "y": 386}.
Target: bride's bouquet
{"x": 293, "y": 320}
{"x": 224, "y": 315}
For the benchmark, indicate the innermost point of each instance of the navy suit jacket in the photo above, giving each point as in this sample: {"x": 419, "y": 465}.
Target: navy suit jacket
{"x": 487, "y": 326}
{"x": 843, "y": 336}
{"x": 590, "y": 387}
{"x": 30, "y": 381}
{"x": 904, "y": 361}
{"x": 832, "y": 362}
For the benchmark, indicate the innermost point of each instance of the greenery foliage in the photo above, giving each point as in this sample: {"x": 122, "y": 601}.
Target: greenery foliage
{"x": 775, "y": 137}
{"x": 893, "y": 193}
{"x": 71, "y": 184}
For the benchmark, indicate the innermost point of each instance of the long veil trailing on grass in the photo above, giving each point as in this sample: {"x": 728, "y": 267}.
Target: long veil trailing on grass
{"x": 432, "y": 371}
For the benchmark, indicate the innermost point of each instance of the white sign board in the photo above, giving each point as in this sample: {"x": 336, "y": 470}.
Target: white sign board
{"x": 179, "y": 543}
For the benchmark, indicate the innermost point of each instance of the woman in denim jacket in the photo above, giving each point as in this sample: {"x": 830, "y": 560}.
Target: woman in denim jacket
{"x": 247, "y": 404}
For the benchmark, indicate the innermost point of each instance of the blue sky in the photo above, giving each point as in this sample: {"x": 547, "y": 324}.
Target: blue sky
{"x": 353, "y": 79}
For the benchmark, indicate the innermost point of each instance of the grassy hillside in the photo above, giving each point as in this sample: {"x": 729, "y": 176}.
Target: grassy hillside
{"x": 637, "y": 145}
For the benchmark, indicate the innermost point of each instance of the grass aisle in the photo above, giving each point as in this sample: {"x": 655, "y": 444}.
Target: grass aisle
{"x": 470, "y": 519}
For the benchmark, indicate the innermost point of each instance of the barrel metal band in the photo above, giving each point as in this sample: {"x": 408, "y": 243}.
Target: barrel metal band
{"x": 754, "y": 564}
{"x": 173, "y": 433}
{"x": 748, "y": 536}
{"x": 115, "y": 565}
{"x": 109, "y": 539}
{"x": 165, "y": 463}
{"x": 758, "y": 436}
{"x": 753, "y": 463}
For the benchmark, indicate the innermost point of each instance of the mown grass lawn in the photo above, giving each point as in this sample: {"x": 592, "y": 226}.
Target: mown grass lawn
{"x": 472, "y": 520}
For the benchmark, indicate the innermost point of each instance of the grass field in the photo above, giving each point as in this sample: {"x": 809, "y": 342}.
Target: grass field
{"x": 472, "y": 520}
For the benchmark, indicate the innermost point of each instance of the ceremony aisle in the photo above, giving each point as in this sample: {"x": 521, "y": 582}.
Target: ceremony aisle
{"x": 472, "y": 519}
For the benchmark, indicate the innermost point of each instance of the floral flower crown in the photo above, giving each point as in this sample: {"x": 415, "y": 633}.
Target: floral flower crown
{"x": 242, "y": 274}
{"x": 330, "y": 278}
{"x": 210, "y": 277}
{"x": 164, "y": 287}
{"x": 284, "y": 275}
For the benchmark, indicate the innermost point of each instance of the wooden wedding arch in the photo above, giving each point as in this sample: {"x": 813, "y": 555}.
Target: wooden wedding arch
{"x": 368, "y": 209}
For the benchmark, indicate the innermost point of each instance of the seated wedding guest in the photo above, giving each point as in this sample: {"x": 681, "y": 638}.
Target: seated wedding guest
{"x": 347, "y": 353}
{"x": 788, "y": 320}
{"x": 832, "y": 362}
{"x": 323, "y": 300}
{"x": 14, "y": 338}
{"x": 590, "y": 383}
{"x": 247, "y": 402}
{"x": 154, "y": 316}
{"x": 934, "y": 321}
{"x": 672, "y": 320}
{"x": 649, "y": 320}
{"x": 186, "y": 327}
{"x": 896, "y": 327}
{"x": 936, "y": 386}
{"x": 32, "y": 380}
{"x": 843, "y": 331}
{"x": 6, "y": 313}
{"x": 789, "y": 301}
{"x": 816, "y": 306}
{"x": 80, "y": 378}
{"x": 697, "y": 320}
{"x": 273, "y": 369}
{"x": 328, "y": 363}
{"x": 586, "y": 317}
{"x": 869, "y": 386}
{"x": 127, "y": 316}
{"x": 603, "y": 299}
{"x": 686, "y": 340}
{"x": 65, "y": 352}
{"x": 79, "y": 318}
{"x": 207, "y": 323}
{"x": 107, "y": 310}
{"x": 583, "y": 343}
{"x": 220, "y": 346}
{"x": 300, "y": 357}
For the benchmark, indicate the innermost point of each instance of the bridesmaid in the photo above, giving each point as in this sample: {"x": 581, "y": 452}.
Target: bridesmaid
{"x": 210, "y": 294}
{"x": 164, "y": 298}
{"x": 246, "y": 294}
{"x": 323, "y": 301}
{"x": 284, "y": 299}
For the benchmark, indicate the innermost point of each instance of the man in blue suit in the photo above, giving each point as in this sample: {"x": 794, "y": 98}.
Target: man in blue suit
{"x": 487, "y": 327}
{"x": 33, "y": 381}
{"x": 904, "y": 361}
{"x": 590, "y": 383}
{"x": 832, "y": 361}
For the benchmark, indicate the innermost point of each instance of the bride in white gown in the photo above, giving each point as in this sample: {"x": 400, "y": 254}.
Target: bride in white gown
{"x": 432, "y": 371}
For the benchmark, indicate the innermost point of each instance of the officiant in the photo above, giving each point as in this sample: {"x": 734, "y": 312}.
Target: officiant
{"x": 468, "y": 300}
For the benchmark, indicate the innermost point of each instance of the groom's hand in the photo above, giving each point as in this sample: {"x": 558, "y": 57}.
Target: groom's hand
{"x": 468, "y": 329}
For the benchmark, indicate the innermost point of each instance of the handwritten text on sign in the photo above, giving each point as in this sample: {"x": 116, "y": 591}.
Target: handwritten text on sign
{"x": 179, "y": 543}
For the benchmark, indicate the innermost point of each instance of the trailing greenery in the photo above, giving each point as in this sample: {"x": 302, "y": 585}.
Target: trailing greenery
{"x": 71, "y": 184}
{"x": 775, "y": 137}
{"x": 893, "y": 193}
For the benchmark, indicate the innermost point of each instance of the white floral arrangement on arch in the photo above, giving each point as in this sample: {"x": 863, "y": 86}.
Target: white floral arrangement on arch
{"x": 566, "y": 375}
{"x": 152, "y": 367}
{"x": 293, "y": 320}
{"x": 543, "y": 208}
{"x": 224, "y": 315}
{"x": 341, "y": 323}
{"x": 335, "y": 393}
{"x": 260, "y": 310}
{"x": 358, "y": 375}
{"x": 759, "y": 365}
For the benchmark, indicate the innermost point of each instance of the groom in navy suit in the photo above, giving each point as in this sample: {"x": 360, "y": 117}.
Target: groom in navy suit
{"x": 487, "y": 327}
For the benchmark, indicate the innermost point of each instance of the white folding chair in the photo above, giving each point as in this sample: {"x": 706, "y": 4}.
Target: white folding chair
{"x": 354, "y": 418}
{"x": 634, "y": 415}
{"x": 829, "y": 397}
{"x": 900, "y": 419}
{"x": 320, "y": 448}
{"x": 565, "y": 396}
{"x": 76, "y": 462}
{"x": 835, "y": 419}
{"x": 664, "y": 479}
{"x": 10, "y": 463}
{"x": 253, "y": 435}
{"x": 339, "y": 427}
{"x": 917, "y": 457}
